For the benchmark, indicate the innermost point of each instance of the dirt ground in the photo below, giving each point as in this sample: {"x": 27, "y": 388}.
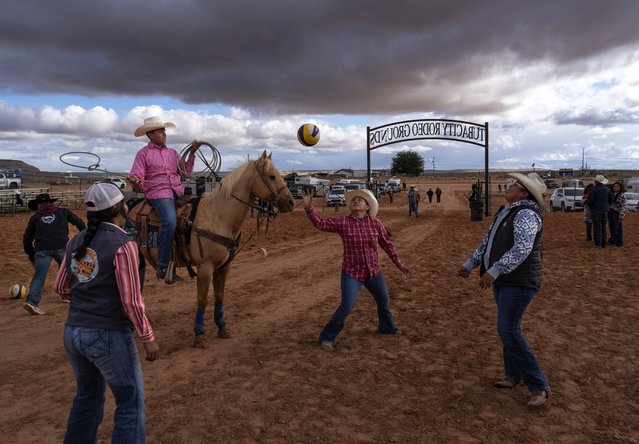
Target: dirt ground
{"x": 271, "y": 382}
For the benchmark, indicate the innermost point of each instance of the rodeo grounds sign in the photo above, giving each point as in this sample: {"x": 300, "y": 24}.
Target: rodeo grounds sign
{"x": 427, "y": 129}
{"x": 432, "y": 129}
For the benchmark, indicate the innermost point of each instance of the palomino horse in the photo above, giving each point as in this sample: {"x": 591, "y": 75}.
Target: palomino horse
{"x": 216, "y": 230}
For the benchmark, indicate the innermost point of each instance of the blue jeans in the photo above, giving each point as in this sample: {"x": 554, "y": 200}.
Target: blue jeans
{"x": 350, "y": 289}
{"x": 168, "y": 222}
{"x": 42, "y": 262}
{"x": 520, "y": 363}
{"x": 413, "y": 207}
{"x": 616, "y": 228}
{"x": 101, "y": 357}
{"x": 599, "y": 228}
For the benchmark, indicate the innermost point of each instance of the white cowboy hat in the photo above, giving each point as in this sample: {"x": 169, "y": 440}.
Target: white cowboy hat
{"x": 150, "y": 124}
{"x": 534, "y": 184}
{"x": 601, "y": 179}
{"x": 373, "y": 206}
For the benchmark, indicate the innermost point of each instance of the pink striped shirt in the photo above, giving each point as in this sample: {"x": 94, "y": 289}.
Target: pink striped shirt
{"x": 126, "y": 264}
{"x": 158, "y": 168}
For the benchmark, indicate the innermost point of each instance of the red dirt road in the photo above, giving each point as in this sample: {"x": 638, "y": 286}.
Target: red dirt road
{"x": 271, "y": 382}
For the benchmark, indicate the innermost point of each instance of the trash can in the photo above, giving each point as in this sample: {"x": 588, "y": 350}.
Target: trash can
{"x": 476, "y": 210}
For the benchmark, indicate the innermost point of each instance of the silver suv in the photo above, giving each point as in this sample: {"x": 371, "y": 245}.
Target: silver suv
{"x": 336, "y": 196}
{"x": 567, "y": 199}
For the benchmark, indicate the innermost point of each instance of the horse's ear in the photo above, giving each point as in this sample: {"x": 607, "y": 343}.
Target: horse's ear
{"x": 263, "y": 156}
{"x": 270, "y": 155}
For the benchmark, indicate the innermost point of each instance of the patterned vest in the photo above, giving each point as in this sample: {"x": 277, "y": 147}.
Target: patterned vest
{"x": 529, "y": 272}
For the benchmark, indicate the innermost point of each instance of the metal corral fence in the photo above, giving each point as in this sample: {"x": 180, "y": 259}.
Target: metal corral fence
{"x": 75, "y": 185}
{"x": 10, "y": 206}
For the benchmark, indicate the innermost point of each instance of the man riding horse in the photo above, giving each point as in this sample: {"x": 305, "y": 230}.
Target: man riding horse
{"x": 158, "y": 171}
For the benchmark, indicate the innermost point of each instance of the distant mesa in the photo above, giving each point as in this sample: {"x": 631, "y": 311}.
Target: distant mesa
{"x": 25, "y": 167}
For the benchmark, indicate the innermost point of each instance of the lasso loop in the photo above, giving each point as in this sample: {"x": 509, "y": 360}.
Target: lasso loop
{"x": 93, "y": 167}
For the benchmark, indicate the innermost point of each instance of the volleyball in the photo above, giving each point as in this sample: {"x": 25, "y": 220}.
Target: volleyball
{"x": 17, "y": 291}
{"x": 308, "y": 134}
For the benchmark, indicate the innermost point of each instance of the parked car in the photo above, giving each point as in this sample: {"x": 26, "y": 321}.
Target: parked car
{"x": 296, "y": 190}
{"x": 632, "y": 200}
{"x": 567, "y": 199}
{"x": 335, "y": 197}
{"x": 10, "y": 180}
{"x": 120, "y": 183}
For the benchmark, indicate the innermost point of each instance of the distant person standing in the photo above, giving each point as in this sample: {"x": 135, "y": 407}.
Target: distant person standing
{"x": 20, "y": 196}
{"x": 599, "y": 200}
{"x": 438, "y": 194}
{"x": 430, "y": 194}
{"x": 413, "y": 201}
{"x": 44, "y": 239}
{"x": 616, "y": 214}
{"x": 390, "y": 195}
{"x": 473, "y": 193}
{"x": 499, "y": 187}
{"x": 587, "y": 215}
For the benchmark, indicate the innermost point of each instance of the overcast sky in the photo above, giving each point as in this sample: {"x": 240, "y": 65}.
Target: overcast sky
{"x": 553, "y": 78}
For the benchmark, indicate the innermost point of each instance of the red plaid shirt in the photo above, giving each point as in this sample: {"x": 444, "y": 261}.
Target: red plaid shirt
{"x": 359, "y": 238}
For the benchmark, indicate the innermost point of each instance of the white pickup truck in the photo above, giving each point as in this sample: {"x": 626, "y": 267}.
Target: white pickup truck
{"x": 10, "y": 181}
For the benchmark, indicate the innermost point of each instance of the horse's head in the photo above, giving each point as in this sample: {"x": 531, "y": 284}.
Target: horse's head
{"x": 269, "y": 185}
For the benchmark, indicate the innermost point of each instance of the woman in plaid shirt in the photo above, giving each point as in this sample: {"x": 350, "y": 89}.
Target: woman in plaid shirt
{"x": 360, "y": 231}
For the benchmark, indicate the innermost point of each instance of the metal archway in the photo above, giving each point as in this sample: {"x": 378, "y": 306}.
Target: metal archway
{"x": 430, "y": 129}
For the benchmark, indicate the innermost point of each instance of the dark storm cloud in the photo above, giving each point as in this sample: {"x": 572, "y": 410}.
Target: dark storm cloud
{"x": 322, "y": 56}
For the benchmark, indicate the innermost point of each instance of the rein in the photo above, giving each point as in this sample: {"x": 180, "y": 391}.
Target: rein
{"x": 233, "y": 245}
{"x": 272, "y": 210}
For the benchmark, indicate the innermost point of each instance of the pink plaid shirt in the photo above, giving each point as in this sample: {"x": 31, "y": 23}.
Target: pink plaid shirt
{"x": 158, "y": 167}
{"x": 359, "y": 238}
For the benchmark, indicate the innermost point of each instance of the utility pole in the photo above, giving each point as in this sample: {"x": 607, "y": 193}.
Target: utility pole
{"x": 433, "y": 166}
{"x": 583, "y": 150}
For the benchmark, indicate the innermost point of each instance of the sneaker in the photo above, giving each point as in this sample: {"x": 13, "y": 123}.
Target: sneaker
{"x": 33, "y": 309}
{"x": 327, "y": 345}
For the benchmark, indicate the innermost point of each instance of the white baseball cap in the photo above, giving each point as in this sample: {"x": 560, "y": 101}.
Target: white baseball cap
{"x": 101, "y": 196}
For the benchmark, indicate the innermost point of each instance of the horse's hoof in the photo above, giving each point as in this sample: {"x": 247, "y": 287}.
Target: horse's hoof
{"x": 200, "y": 341}
{"x": 223, "y": 332}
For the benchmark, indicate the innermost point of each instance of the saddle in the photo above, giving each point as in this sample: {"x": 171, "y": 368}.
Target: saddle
{"x": 147, "y": 225}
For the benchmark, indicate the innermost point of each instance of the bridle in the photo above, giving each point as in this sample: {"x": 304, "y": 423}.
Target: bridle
{"x": 269, "y": 185}
{"x": 272, "y": 209}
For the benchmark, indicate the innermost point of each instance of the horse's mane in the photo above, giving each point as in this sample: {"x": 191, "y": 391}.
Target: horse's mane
{"x": 233, "y": 178}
